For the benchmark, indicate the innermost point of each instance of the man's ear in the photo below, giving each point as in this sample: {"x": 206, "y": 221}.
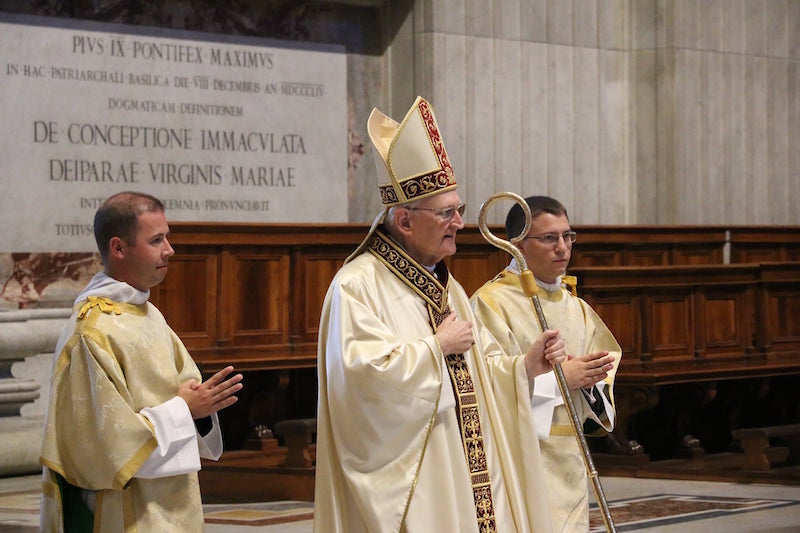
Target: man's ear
{"x": 116, "y": 247}
{"x": 402, "y": 220}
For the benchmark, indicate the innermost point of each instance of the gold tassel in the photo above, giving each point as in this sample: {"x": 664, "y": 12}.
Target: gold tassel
{"x": 571, "y": 283}
{"x": 105, "y": 305}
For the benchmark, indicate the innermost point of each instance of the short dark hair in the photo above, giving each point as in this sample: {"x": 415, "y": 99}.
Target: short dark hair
{"x": 515, "y": 220}
{"x": 119, "y": 217}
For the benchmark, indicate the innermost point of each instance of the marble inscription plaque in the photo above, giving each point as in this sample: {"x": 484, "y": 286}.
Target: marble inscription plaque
{"x": 221, "y": 129}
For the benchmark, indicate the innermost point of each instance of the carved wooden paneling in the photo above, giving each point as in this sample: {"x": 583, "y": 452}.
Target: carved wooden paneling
{"x": 779, "y": 295}
{"x": 587, "y": 255}
{"x": 188, "y": 297}
{"x": 725, "y": 321}
{"x": 689, "y": 318}
{"x": 645, "y": 256}
{"x": 314, "y": 272}
{"x": 669, "y": 316}
{"x": 648, "y": 246}
{"x": 696, "y": 254}
{"x": 755, "y": 253}
{"x": 255, "y": 296}
{"x": 621, "y": 312}
{"x": 760, "y": 244}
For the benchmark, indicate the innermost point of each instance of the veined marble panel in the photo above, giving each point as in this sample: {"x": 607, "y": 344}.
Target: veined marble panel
{"x": 793, "y": 29}
{"x": 559, "y": 22}
{"x": 535, "y": 119}
{"x": 778, "y": 179}
{"x": 533, "y": 21}
{"x": 687, "y": 31}
{"x": 793, "y": 118}
{"x": 613, "y": 142}
{"x": 756, "y": 162}
{"x": 712, "y": 155}
{"x": 479, "y": 153}
{"x": 508, "y": 148}
{"x": 479, "y": 18}
{"x": 733, "y": 96}
{"x": 613, "y": 24}
{"x": 642, "y": 190}
{"x": 506, "y": 19}
{"x": 588, "y": 109}
{"x": 446, "y": 16}
{"x": 44, "y": 279}
{"x": 561, "y": 144}
{"x": 756, "y": 37}
{"x": 687, "y": 141}
{"x": 734, "y": 38}
{"x": 776, "y": 26}
{"x": 643, "y": 24}
{"x": 585, "y": 23}
{"x": 711, "y": 28}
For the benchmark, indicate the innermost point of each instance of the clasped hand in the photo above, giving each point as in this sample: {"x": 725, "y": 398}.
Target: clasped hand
{"x": 545, "y": 352}
{"x": 212, "y": 395}
{"x": 587, "y": 370}
{"x": 455, "y": 336}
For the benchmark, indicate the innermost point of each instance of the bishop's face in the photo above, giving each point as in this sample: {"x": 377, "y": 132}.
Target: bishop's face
{"x": 547, "y": 261}
{"x": 433, "y": 227}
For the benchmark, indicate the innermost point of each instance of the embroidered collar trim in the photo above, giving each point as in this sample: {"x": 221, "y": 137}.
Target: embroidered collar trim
{"x": 431, "y": 288}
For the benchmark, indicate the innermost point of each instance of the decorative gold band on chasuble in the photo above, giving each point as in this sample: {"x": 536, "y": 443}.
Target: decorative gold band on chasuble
{"x": 434, "y": 291}
{"x": 472, "y": 439}
{"x": 412, "y": 273}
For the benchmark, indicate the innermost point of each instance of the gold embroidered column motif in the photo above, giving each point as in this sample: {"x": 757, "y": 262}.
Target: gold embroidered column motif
{"x": 471, "y": 433}
{"x": 472, "y": 437}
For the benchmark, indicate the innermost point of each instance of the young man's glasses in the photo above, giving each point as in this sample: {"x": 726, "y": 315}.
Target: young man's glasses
{"x": 445, "y": 213}
{"x": 551, "y": 239}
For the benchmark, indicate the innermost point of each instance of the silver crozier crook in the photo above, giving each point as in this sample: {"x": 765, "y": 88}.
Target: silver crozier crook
{"x": 530, "y": 289}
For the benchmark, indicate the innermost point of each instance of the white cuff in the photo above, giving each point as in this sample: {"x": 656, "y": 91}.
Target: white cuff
{"x": 177, "y": 451}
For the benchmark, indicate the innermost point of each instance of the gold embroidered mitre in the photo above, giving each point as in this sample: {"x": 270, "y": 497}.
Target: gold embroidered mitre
{"x": 410, "y": 157}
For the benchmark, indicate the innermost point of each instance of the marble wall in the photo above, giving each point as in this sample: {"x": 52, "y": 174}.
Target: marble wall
{"x": 728, "y": 111}
{"x": 629, "y": 111}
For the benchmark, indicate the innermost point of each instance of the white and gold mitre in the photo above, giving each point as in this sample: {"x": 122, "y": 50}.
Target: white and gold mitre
{"x": 410, "y": 157}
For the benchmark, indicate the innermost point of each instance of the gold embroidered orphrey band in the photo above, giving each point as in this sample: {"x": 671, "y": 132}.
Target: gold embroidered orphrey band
{"x": 435, "y": 294}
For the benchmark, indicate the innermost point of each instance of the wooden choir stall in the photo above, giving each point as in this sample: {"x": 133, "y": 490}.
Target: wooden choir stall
{"x": 708, "y": 318}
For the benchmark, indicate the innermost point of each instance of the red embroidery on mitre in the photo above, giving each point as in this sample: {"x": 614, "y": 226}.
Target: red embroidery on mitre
{"x": 425, "y": 184}
{"x": 436, "y": 140}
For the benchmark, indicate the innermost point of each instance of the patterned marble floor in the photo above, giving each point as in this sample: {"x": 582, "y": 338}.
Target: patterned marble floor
{"x": 641, "y": 505}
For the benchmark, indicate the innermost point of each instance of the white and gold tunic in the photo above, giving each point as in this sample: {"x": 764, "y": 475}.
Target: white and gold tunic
{"x": 509, "y": 314}
{"x": 115, "y": 428}
{"x": 390, "y": 453}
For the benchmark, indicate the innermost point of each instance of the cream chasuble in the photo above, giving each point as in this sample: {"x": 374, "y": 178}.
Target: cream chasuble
{"x": 119, "y": 359}
{"x": 509, "y": 314}
{"x": 390, "y": 454}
